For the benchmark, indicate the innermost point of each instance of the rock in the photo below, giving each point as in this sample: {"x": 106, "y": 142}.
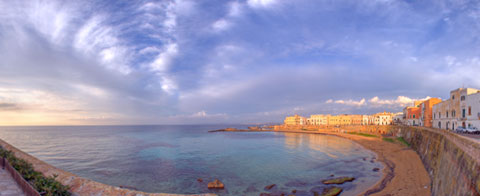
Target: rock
{"x": 376, "y": 169}
{"x": 269, "y": 187}
{"x": 128, "y": 187}
{"x": 339, "y": 180}
{"x": 199, "y": 180}
{"x": 332, "y": 191}
{"x": 216, "y": 184}
{"x": 250, "y": 189}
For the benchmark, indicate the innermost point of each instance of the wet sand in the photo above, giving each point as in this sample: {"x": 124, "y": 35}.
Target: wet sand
{"x": 403, "y": 174}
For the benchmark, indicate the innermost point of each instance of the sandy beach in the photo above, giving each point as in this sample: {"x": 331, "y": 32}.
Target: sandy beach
{"x": 403, "y": 174}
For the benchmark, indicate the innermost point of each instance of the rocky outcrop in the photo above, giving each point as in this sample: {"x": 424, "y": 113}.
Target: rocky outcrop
{"x": 216, "y": 184}
{"x": 339, "y": 180}
{"x": 269, "y": 187}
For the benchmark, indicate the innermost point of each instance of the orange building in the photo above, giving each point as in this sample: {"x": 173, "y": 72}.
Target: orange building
{"x": 426, "y": 110}
{"x": 413, "y": 116}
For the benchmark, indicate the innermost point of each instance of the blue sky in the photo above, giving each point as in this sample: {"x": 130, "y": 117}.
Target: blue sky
{"x": 185, "y": 61}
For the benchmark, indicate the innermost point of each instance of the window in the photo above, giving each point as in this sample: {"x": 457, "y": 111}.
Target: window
{"x": 446, "y": 113}
{"x": 462, "y": 98}
{"x": 453, "y": 113}
{"x": 439, "y": 115}
{"x": 414, "y": 117}
{"x": 453, "y": 97}
{"x": 469, "y": 110}
{"x": 439, "y": 125}
{"x": 463, "y": 113}
{"x": 434, "y": 115}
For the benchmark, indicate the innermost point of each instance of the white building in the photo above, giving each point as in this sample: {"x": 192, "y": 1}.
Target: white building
{"x": 398, "y": 118}
{"x": 383, "y": 118}
{"x": 470, "y": 110}
{"x": 365, "y": 119}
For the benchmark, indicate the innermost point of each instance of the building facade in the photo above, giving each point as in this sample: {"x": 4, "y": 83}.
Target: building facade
{"x": 384, "y": 118}
{"x": 413, "y": 116}
{"x": 317, "y": 119}
{"x": 295, "y": 120}
{"x": 448, "y": 114}
{"x": 426, "y": 111}
{"x": 470, "y": 110}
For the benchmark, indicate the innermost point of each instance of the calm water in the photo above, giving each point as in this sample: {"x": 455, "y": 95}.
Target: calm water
{"x": 171, "y": 158}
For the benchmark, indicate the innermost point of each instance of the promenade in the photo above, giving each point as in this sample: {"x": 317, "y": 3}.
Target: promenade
{"x": 8, "y": 187}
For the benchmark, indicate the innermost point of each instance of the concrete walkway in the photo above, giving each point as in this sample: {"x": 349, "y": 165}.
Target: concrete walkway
{"x": 8, "y": 187}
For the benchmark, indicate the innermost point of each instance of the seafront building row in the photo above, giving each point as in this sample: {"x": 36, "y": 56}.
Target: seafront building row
{"x": 384, "y": 118}
{"x": 462, "y": 109}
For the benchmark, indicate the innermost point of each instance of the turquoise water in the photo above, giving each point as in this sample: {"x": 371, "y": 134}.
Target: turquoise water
{"x": 170, "y": 159}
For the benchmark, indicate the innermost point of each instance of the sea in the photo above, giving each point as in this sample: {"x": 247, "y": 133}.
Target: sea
{"x": 172, "y": 158}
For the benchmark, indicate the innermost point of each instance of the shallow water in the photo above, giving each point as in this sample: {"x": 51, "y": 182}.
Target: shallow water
{"x": 171, "y": 158}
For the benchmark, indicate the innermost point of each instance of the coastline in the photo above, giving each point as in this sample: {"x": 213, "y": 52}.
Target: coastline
{"x": 403, "y": 172}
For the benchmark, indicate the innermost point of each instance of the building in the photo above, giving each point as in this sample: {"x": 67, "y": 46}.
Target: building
{"x": 365, "y": 119}
{"x": 470, "y": 110}
{"x": 333, "y": 120}
{"x": 295, "y": 120}
{"x": 356, "y": 119}
{"x": 426, "y": 111}
{"x": 384, "y": 118}
{"x": 413, "y": 116}
{"x": 446, "y": 113}
{"x": 345, "y": 119}
{"x": 317, "y": 119}
{"x": 398, "y": 118}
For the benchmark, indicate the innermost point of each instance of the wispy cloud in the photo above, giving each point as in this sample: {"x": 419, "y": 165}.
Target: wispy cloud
{"x": 231, "y": 61}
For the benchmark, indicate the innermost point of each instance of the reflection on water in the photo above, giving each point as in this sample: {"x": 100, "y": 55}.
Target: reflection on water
{"x": 331, "y": 146}
{"x": 172, "y": 158}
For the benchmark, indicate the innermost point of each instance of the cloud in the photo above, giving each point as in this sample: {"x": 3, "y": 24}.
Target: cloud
{"x": 8, "y": 106}
{"x": 376, "y": 102}
{"x": 261, "y": 3}
{"x": 165, "y": 61}
{"x": 220, "y": 25}
{"x": 401, "y": 101}
{"x": 350, "y": 102}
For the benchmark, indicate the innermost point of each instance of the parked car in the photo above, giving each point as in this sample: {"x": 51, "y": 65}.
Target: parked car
{"x": 473, "y": 130}
{"x": 460, "y": 130}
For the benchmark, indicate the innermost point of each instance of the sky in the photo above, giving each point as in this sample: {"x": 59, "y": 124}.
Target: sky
{"x": 229, "y": 61}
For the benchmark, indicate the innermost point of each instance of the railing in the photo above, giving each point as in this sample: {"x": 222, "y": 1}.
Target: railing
{"x": 24, "y": 185}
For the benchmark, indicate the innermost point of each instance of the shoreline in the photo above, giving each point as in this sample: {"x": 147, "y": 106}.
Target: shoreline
{"x": 403, "y": 172}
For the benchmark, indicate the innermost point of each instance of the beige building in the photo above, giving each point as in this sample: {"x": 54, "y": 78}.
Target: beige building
{"x": 450, "y": 114}
{"x": 356, "y": 119}
{"x": 295, "y": 120}
{"x": 318, "y": 119}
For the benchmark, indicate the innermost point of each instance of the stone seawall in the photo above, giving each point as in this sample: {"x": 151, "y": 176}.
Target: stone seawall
{"x": 452, "y": 160}
{"x": 78, "y": 185}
